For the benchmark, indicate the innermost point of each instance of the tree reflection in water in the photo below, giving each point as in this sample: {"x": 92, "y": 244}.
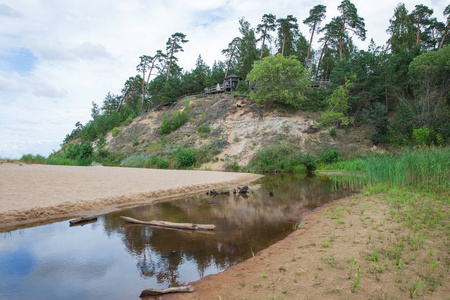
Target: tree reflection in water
{"x": 243, "y": 226}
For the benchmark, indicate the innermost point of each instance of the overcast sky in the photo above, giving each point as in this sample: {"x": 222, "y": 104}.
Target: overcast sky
{"x": 57, "y": 56}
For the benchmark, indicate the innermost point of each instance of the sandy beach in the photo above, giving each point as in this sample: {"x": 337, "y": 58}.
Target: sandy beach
{"x": 30, "y": 193}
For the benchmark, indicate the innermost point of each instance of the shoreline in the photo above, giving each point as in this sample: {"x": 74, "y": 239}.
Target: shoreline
{"x": 38, "y": 194}
{"x": 342, "y": 250}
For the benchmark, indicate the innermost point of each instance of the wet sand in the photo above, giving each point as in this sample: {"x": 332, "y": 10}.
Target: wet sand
{"x": 30, "y": 193}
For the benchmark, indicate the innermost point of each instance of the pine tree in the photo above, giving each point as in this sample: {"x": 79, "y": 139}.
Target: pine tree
{"x": 421, "y": 18}
{"x": 316, "y": 15}
{"x": 350, "y": 21}
{"x": 287, "y": 29}
{"x": 268, "y": 24}
{"x": 173, "y": 46}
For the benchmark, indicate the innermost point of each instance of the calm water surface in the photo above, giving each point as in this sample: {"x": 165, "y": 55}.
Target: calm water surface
{"x": 111, "y": 259}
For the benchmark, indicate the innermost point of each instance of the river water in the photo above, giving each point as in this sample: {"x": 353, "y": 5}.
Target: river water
{"x": 111, "y": 259}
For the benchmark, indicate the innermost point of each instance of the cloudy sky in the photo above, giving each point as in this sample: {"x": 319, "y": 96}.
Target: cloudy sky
{"x": 57, "y": 56}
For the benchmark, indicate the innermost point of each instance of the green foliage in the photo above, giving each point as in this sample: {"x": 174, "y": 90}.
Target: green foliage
{"x": 376, "y": 115}
{"x": 115, "y": 131}
{"x": 33, "y": 159}
{"x": 204, "y": 128}
{"x": 329, "y": 156}
{"x": 246, "y": 52}
{"x": 423, "y": 136}
{"x": 281, "y": 157}
{"x": 428, "y": 105}
{"x": 135, "y": 161}
{"x": 61, "y": 161}
{"x": 338, "y": 106}
{"x": 280, "y": 81}
{"x": 287, "y": 31}
{"x": 186, "y": 157}
{"x": 79, "y": 151}
{"x": 309, "y": 162}
{"x": 86, "y": 151}
{"x": 424, "y": 168}
{"x": 136, "y": 140}
{"x": 142, "y": 161}
{"x": 235, "y": 166}
{"x": 173, "y": 122}
{"x": 242, "y": 87}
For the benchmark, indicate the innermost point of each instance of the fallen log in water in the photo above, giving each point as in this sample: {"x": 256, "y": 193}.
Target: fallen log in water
{"x": 190, "y": 226}
{"x": 83, "y": 220}
{"x": 180, "y": 289}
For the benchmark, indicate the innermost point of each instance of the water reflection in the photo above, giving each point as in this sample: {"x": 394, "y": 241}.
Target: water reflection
{"x": 111, "y": 259}
{"x": 244, "y": 224}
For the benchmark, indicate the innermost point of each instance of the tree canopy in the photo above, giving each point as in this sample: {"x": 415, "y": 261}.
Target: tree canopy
{"x": 280, "y": 80}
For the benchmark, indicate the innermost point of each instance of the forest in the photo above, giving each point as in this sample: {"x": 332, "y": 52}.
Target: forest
{"x": 400, "y": 87}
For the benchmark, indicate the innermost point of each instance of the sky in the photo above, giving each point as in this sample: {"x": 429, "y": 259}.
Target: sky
{"x": 57, "y": 57}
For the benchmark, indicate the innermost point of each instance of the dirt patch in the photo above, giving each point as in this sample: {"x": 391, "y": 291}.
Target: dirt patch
{"x": 356, "y": 248}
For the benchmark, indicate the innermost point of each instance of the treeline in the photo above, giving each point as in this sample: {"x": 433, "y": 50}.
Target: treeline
{"x": 400, "y": 87}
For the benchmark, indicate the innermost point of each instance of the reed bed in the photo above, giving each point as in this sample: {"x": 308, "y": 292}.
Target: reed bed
{"x": 423, "y": 168}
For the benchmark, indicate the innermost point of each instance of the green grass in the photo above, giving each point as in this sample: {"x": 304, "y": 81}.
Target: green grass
{"x": 423, "y": 168}
{"x": 33, "y": 159}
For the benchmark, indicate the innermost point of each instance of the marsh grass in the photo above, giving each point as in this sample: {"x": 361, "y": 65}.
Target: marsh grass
{"x": 423, "y": 168}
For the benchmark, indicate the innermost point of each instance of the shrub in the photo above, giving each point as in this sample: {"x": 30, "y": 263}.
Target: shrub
{"x": 186, "y": 157}
{"x": 135, "y": 141}
{"x": 278, "y": 156}
{"x": 115, "y": 131}
{"x": 162, "y": 164}
{"x": 135, "y": 161}
{"x": 329, "y": 156}
{"x": 235, "y": 166}
{"x": 204, "y": 128}
{"x": 242, "y": 87}
{"x": 61, "y": 161}
{"x": 86, "y": 151}
{"x": 33, "y": 159}
{"x": 422, "y": 136}
{"x": 309, "y": 162}
{"x": 173, "y": 122}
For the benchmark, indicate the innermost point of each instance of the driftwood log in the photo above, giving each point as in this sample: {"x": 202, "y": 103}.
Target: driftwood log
{"x": 190, "y": 226}
{"x": 83, "y": 220}
{"x": 180, "y": 289}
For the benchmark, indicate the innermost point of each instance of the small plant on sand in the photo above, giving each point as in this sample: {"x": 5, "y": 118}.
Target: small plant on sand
{"x": 356, "y": 283}
{"x": 413, "y": 289}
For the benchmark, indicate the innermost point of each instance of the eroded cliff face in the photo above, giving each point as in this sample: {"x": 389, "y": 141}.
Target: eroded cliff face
{"x": 238, "y": 129}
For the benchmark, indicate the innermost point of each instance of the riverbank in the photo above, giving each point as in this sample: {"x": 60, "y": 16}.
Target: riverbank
{"x": 36, "y": 193}
{"x": 362, "y": 247}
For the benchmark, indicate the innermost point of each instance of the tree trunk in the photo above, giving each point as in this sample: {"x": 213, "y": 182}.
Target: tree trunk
{"x": 170, "y": 61}
{"x": 418, "y": 34}
{"x": 320, "y": 59}
{"x": 264, "y": 40}
{"x": 190, "y": 226}
{"x": 443, "y": 38}
{"x": 143, "y": 88}
{"x": 123, "y": 99}
{"x": 310, "y": 42}
{"x": 229, "y": 61}
{"x": 82, "y": 220}
{"x": 284, "y": 42}
{"x": 340, "y": 40}
{"x": 180, "y": 289}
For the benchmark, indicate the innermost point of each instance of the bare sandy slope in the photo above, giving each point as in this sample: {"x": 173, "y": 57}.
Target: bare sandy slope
{"x": 38, "y": 192}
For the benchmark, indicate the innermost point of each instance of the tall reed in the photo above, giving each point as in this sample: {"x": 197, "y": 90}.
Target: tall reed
{"x": 426, "y": 168}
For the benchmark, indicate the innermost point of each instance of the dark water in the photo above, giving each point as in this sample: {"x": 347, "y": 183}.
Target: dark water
{"x": 111, "y": 259}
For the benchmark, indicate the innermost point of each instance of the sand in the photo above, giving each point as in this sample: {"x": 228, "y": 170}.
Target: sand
{"x": 30, "y": 193}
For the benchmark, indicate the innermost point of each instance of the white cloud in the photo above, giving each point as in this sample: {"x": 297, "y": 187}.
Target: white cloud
{"x": 7, "y": 11}
{"x": 85, "y": 49}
